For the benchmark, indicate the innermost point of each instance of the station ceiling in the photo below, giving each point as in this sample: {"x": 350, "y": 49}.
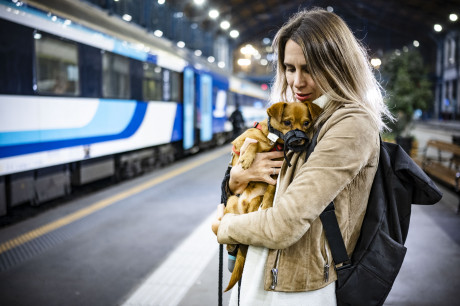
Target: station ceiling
{"x": 381, "y": 24}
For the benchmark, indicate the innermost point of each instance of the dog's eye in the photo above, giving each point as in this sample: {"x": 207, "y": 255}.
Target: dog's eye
{"x": 306, "y": 123}
{"x": 287, "y": 123}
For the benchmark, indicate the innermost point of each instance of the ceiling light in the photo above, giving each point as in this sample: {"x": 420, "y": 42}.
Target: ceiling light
{"x": 158, "y": 33}
{"x": 266, "y": 41}
{"x": 221, "y": 64}
{"x": 198, "y": 2}
{"x": 213, "y": 14}
{"x": 437, "y": 27}
{"x": 211, "y": 59}
{"x": 198, "y": 52}
{"x": 127, "y": 17}
{"x": 225, "y": 25}
{"x": 376, "y": 62}
{"x": 416, "y": 43}
{"x": 263, "y": 62}
{"x": 180, "y": 44}
{"x": 244, "y": 62}
{"x": 453, "y": 17}
{"x": 234, "y": 33}
{"x": 161, "y": 2}
{"x": 330, "y": 9}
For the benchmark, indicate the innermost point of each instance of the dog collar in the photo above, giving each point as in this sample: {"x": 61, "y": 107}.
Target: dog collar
{"x": 273, "y": 134}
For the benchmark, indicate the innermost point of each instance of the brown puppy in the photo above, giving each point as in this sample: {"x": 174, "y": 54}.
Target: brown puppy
{"x": 284, "y": 117}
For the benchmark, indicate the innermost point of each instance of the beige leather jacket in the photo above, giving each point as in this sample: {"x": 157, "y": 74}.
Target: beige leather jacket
{"x": 341, "y": 169}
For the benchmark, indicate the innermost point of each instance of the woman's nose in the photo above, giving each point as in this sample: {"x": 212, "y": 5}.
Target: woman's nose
{"x": 299, "y": 80}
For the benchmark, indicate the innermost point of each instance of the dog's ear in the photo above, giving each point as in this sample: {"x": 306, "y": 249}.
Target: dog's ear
{"x": 314, "y": 109}
{"x": 276, "y": 110}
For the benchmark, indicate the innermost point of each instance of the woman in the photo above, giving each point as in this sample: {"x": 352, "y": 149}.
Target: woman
{"x": 289, "y": 261}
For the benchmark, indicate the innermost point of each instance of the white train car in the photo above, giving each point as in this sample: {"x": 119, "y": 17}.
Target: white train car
{"x": 78, "y": 104}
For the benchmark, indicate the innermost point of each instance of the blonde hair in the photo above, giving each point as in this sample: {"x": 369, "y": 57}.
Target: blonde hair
{"x": 337, "y": 62}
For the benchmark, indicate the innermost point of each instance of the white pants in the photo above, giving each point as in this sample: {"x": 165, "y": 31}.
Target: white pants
{"x": 252, "y": 287}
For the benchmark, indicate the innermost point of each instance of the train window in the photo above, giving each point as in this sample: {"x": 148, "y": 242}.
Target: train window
{"x": 57, "y": 66}
{"x": 115, "y": 76}
{"x": 152, "y": 83}
{"x": 172, "y": 86}
{"x": 176, "y": 86}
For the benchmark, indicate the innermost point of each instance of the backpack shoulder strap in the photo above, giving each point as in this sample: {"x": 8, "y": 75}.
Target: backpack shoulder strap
{"x": 334, "y": 237}
{"x": 330, "y": 224}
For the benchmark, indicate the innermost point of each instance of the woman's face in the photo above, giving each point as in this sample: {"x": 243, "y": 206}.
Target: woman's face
{"x": 297, "y": 76}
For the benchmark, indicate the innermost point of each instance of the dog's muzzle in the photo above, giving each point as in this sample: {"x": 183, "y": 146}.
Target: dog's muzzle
{"x": 296, "y": 140}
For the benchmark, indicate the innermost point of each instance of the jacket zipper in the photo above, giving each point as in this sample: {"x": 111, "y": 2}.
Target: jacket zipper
{"x": 275, "y": 271}
{"x": 326, "y": 266}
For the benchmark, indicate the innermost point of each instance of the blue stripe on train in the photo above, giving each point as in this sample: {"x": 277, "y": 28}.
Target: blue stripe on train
{"x": 178, "y": 128}
{"x": 138, "y": 117}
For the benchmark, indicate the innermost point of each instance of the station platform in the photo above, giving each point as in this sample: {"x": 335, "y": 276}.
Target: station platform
{"x": 148, "y": 241}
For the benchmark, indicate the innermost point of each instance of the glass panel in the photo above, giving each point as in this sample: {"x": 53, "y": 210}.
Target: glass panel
{"x": 152, "y": 83}
{"x": 176, "y": 85}
{"x": 115, "y": 76}
{"x": 57, "y": 66}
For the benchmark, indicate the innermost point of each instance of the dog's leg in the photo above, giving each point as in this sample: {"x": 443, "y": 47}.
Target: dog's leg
{"x": 254, "y": 204}
{"x": 248, "y": 157}
{"x": 269, "y": 196}
{"x": 232, "y": 205}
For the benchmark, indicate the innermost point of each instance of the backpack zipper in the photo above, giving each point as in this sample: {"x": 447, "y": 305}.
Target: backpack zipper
{"x": 275, "y": 271}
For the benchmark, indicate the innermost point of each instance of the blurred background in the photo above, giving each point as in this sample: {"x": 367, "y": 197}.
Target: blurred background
{"x": 115, "y": 123}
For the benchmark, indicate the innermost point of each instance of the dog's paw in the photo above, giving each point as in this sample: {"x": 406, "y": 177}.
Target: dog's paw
{"x": 245, "y": 162}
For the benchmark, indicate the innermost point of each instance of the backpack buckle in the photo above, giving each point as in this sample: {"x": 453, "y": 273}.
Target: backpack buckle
{"x": 343, "y": 265}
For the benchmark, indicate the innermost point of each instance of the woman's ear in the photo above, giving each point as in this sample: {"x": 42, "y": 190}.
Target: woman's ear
{"x": 276, "y": 110}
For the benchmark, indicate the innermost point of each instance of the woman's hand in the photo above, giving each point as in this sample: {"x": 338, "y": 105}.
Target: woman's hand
{"x": 261, "y": 170}
{"x": 216, "y": 222}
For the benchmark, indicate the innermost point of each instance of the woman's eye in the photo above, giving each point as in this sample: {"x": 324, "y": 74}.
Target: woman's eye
{"x": 287, "y": 123}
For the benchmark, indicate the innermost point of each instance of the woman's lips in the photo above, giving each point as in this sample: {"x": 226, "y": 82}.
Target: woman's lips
{"x": 302, "y": 97}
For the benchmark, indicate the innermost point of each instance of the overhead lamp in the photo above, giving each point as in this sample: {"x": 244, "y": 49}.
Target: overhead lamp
{"x": 263, "y": 62}
{"x": 221, "y": 65}
{"x": 234, "y": 33}
{"x": 266, "y": 41}
{"x": 180, "y": 44}
{"x": 198, "y": 52}
{"x": 244, "y": 62}
{"x": 453, "y": 17}
{"x": 416, "y": 43}
{"x": 225, "y": 25}
{"x": 437, "y": 27}
{"x": 198, "y": 2}
{"x": 330, "y": 9}
{"x": 158, "y": 33}
{"x": 213, "y": 14}
{"x": 376, "y": 62}
{"x": 161, "y": 2}
{"x": 211, "y": 59}
{"x": 127, "y": 17}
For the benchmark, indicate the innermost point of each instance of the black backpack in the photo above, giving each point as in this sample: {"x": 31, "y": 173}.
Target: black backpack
{"x": 367, "y": 278}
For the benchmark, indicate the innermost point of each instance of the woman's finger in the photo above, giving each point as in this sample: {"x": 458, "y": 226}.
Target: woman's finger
{"x": 220, "y": 211}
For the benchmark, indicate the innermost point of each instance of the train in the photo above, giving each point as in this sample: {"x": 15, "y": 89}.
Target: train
{"x": 79, "y": 105}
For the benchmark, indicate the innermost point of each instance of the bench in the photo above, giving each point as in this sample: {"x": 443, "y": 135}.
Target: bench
{"x": 444, "y": 165}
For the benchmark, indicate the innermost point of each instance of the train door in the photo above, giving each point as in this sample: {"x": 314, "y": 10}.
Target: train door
{"x": 189, "y": 109}
{"x": 205, "y": 108}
